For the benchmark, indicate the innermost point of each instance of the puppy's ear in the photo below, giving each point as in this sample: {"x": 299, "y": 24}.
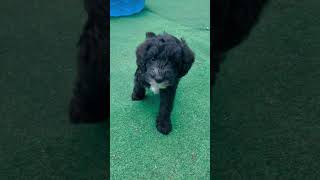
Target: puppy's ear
{"x": 140, "y": 54}
{"x": 150, "y": 35}
{"x": 187, "y": 59}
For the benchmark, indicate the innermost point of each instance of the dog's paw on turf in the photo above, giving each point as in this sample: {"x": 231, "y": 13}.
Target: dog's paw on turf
{"x": 137, "y": 96}
{"x": 164, "y": 126}
{"x": 78, "y": 114}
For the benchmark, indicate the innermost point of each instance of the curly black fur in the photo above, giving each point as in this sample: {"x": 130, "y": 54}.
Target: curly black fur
{"x": 90, "y": 97}
{"x": 232, "y": 23}
{"x": 162, "y": 61}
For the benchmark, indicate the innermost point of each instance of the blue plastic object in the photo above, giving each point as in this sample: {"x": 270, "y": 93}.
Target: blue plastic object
{"x": 125, "y": 7}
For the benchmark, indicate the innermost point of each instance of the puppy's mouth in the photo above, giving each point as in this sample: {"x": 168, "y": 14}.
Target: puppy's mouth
{"x": 155, "y": 86}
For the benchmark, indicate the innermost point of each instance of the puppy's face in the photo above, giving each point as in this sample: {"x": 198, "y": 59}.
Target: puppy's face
{"x": 164, "y": 60}
{"x": 161, "y": 71}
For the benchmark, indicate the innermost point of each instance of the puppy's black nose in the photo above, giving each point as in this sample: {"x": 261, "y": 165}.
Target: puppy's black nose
{"x": 158, "y": 79}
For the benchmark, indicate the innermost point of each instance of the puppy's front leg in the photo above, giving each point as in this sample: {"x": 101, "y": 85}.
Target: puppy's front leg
{"x": 89, "y": 101}
{"x": 139, "y": 90}
{"x": 166, "y": 105}
{"x": 217, "y": 59}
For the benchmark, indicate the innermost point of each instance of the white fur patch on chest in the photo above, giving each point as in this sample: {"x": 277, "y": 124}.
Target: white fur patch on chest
{"x": 155, "y": 87}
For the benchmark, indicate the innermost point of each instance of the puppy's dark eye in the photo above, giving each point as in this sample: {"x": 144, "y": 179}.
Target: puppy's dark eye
{"x": 153, "y": 59}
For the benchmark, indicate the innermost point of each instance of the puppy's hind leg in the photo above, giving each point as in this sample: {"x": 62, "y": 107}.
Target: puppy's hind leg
{"x": 163, "y": 122}
{"x": 139, "y": 90}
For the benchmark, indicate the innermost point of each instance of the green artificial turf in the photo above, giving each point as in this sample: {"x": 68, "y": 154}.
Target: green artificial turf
{"x": 266, "y": 106}
{"x": 137, "y": 149}
{"x": 37, "y": 69}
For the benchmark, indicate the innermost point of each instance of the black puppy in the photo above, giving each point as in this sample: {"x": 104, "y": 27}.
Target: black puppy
{"x": 90, "y": 96}
{"x": 232, "y": 23}
{"x": 162, "y": 61}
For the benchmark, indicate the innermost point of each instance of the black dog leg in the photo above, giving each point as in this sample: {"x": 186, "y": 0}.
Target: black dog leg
{"x": 166, "y": 105}
{"x": 90, "y": 96}
{"x": 89, "y": 101}
{"x": 217, "y": 60}
{"x": 139, "y": 90}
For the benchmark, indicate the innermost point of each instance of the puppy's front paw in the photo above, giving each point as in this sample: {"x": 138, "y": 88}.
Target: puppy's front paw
{"x": 76, "y": 112}
{"x": 137, "y": 96}
{"x": 164, "y": 126}
{"x": 79, "y": 113}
